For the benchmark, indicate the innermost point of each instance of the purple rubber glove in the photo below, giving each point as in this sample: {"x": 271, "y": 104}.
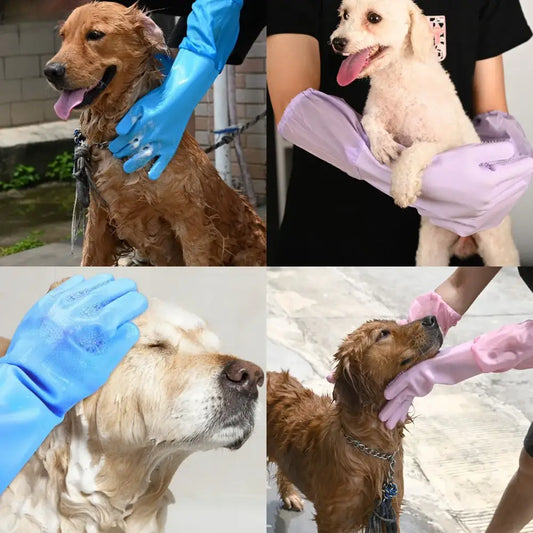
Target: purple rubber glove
{"x": 488, "y": 179}
{"x": 431, "y": 303}
{"x": 498, "y": 351}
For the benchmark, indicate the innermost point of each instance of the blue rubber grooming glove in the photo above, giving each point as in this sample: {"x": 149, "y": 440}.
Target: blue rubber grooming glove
{"x": 64, "y": 349}
{"x": 154, "y": 125}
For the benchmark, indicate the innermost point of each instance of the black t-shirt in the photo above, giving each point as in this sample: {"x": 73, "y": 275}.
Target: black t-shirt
{"x": 252, "y": 21}
{"x": 333, "y": 219}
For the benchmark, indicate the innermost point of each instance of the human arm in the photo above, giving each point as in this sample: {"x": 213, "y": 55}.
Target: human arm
{"x": 293, "y": 65}
{"x": 488, "y": 86}
{"x": 510, "y": 347}
{"x": 452, "y": 298}
{"x": 64, "y": 349}
{"x": 154, "y": 125}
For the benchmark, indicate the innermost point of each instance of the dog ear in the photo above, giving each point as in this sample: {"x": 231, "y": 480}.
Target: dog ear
{"x": 420, "y": 36}
{"x": 148, "y": 29}
{"x": 354, "y": 387}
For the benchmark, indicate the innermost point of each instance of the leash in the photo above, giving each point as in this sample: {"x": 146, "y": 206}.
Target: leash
{"x": 383, "y": 515}
{"x": 84, "y": 183}
{"x": 233, "y": 131}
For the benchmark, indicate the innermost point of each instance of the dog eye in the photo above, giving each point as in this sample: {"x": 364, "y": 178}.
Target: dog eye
{"x": 345, "y": 15}
{"x": 373, "y": 18}
{"x": 406, "y": 361}
{"x": 95, "y": 35}
{"x": 384, "y": 333}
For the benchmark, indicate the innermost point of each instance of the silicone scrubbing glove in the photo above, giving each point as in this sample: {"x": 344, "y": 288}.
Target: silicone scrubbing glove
{"x": 64, "y": 349}
{"x": 154, "y": 125}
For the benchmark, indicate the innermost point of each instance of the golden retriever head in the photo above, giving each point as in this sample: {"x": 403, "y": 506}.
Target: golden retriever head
{"x": 375, "y": 33}
{"x": 377, "y": 352}
{"x": 175, "y": 390}
{"x": 106, "y": 47}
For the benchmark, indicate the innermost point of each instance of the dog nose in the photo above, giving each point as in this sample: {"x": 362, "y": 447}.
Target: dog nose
{"x": 54, "y": 71}
{"x": 339, "y": 44}
{"x": 430, "y": 322}
{"x": 244, "y": 376}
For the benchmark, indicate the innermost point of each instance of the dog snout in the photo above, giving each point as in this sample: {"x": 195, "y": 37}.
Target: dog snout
{"x": 430, "y": 322}
{"x": 339, "y": 44}
{"x": 54, "y": 72}
{"x": 244, "y": 376}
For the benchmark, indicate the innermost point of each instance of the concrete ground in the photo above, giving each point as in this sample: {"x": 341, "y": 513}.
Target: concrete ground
{"x": 464, "y": 445}
{"x": 60, "y": 253}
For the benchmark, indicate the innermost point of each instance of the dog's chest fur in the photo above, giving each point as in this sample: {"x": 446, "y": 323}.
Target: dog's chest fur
{"x": 418, "y": 102}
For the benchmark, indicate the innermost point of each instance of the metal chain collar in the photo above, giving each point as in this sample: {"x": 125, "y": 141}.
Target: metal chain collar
{"x": 80, "y": 140}
{"x": 391, "y": 457}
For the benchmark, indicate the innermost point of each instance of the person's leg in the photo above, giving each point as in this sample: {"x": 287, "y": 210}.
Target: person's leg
{"x": 515, "y": 509}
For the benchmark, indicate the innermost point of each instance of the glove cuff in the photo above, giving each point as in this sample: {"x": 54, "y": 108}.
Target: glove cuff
{"x": 496, "y": 126}
{"x": 25, "y": 421}
{"x": 432, "y": 303}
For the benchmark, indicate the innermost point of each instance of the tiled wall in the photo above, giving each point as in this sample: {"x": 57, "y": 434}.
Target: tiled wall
{"x": 26, "y": 98}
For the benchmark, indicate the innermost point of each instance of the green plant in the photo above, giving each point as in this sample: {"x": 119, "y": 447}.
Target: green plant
{"x": 23, "y": 175}
{"x": 29, "y": 242}
{"x": 60, "y": 168}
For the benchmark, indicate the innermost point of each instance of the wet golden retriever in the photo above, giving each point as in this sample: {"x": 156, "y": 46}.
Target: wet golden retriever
{"x": 108, "y": 465}
{"x": 306, "y": 433}
{"x": 189, "y": 216}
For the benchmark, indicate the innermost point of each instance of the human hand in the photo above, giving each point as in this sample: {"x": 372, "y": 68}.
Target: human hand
{"x": 70, "y": 341}
{"x": 448, "y": 367}
{"x": 495, "y": 174}
{"x": 154, "y": 126}
{"x": 432, "y": 303}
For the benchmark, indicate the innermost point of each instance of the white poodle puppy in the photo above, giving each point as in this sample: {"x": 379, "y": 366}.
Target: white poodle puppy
{"x": 412, "y": 103}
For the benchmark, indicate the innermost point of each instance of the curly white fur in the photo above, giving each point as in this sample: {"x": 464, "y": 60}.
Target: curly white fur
{"x": 412, "y": 102}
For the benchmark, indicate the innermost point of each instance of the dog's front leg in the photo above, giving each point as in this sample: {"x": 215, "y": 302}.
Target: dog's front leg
{"x": 99, "y": 242}
{"x": 288, "y": 493}
{"x": 382, "y": 143}
{"x": 407, "y": 170}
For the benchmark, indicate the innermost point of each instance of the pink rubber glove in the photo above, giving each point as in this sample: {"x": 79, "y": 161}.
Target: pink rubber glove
{"x": 488, "y": 179}
{"x": 508, "y": 347}
{"x": 431, "y": 303}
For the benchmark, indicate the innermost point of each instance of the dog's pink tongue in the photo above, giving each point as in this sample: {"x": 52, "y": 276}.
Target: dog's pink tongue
{"x": 351, "y": 67}
{"x": 68, "y": 101}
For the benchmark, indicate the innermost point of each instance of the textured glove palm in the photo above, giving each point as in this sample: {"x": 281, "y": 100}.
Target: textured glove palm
{"x": 64, "y": 349}
{"x": 154, "y": 125}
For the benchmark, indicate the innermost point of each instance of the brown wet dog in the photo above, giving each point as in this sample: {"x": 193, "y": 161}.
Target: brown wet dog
{"x": 189, "y": 216}
{"x": 306, "y": 433}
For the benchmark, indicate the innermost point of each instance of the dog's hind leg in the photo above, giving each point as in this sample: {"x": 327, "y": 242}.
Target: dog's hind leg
{"x": 496, "y": 246}
{"x": 407, "y": 170}
{"x": 288, "y": 493}
{"x": 435, "y": 245}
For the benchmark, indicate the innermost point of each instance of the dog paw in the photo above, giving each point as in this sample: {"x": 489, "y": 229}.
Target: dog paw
{"x": 292, "y": 502}
{"x": 405, "y": 193}
{"x": 386, "y": 151}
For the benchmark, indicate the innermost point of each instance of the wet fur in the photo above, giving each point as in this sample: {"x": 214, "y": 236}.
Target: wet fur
{"x": 189, "y": 216}
{"x": 305, "y": 432}
{"x": 133, "y": 434}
